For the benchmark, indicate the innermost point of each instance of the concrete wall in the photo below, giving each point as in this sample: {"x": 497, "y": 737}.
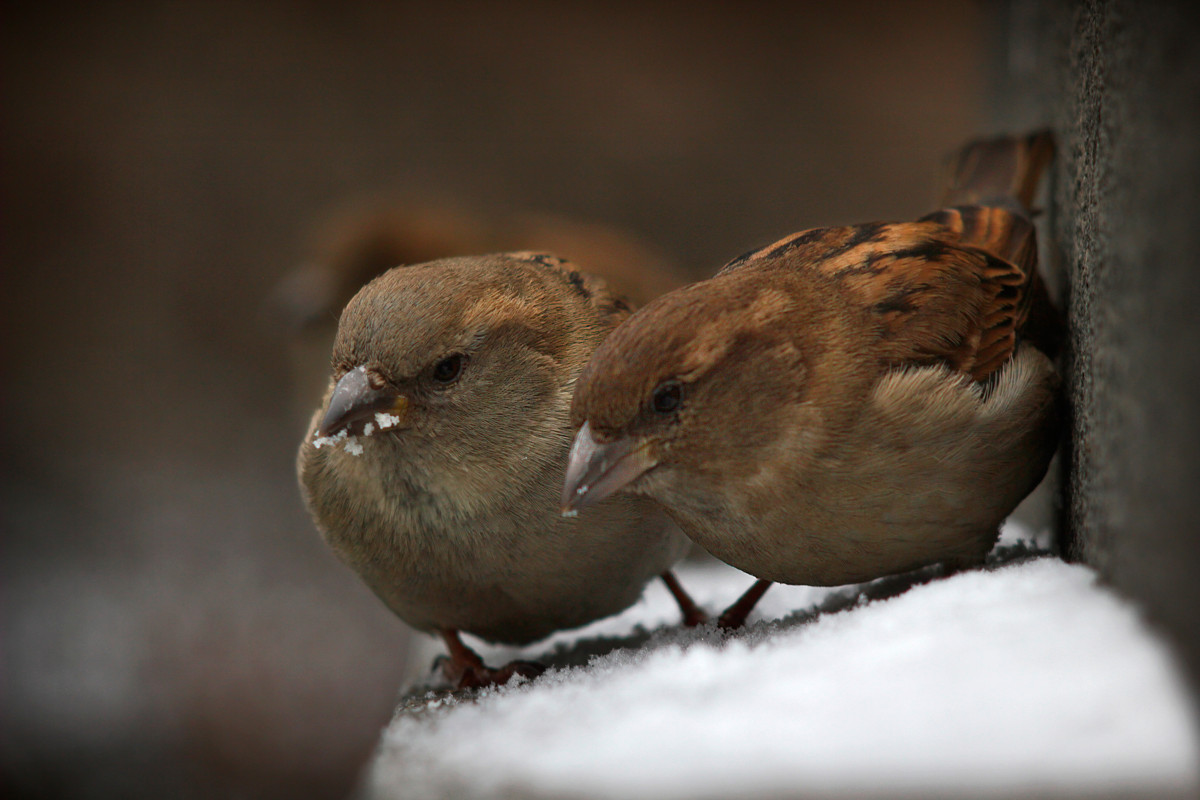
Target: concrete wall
{"x": 1119, "y": 81}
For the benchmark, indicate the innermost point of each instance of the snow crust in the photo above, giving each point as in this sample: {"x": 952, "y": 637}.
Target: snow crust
{"x": 1027, "y": 676}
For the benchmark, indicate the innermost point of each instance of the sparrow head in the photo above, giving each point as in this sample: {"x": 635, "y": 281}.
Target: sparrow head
{"x": 442, "y": 368}
{"x": 693, "y": 383}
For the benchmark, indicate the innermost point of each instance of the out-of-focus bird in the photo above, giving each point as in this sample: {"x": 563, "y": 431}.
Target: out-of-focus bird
{"x": 367, "y": 237}
{"x": 432, "y": 468}
{"x": 845, "y": 403}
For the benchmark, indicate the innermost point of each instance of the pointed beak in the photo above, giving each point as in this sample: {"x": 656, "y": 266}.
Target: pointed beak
{"x": 596, "y": 470}
{"x": 354, "y": 399}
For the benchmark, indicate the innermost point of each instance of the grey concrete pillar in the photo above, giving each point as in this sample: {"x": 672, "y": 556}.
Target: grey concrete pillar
{"x": 1119, "y": 81}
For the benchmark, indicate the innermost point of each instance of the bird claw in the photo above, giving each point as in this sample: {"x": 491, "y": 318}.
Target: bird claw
{"x": 730, "y": 620}
{"x": 735, "y": 616}
{"x": 477, "y": 675}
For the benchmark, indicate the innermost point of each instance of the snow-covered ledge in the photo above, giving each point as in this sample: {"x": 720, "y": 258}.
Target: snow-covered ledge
{"x": 1026, "y": 678}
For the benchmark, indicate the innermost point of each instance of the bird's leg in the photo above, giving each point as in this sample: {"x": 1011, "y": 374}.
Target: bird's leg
{"x": 735, "y": 616}
{"x": 693, "y": 615}
{"x": 466, "y": 670}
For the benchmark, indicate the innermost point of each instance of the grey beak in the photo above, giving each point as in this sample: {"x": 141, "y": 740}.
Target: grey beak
{"x": 354, "y": 399}
{"x": 596, "y": 470}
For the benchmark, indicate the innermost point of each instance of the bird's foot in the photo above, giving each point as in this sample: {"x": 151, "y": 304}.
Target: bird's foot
{"x": 464, "y": 669}
{"x": 734, "y": 617}
{"x": 481, "y": 676}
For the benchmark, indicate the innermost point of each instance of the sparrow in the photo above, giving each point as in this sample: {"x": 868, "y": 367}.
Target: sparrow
{"x": 846, "y": 403}
{"x": 431, "y": 468}
{"x": 366, "y": 237}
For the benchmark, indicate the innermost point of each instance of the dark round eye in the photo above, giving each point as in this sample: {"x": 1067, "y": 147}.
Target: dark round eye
{"x": 667, "y": 397}
{"x": 449, "y": 368}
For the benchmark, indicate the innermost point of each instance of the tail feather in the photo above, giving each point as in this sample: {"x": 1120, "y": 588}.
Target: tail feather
{"x": 988, "y": 202}
{"x": 999, "y": 171}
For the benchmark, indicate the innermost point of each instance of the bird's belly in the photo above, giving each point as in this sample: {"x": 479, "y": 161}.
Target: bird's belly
{"x": 927, "y": 476}
{"x": 831, "y": 550}
{"x": 517, "y": 588}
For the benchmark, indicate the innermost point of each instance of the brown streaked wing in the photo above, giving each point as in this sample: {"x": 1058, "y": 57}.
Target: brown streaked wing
{"x": 1011, "y": 237}
{"x": 1006, "y": 235}
{"x": 935, "y": 299}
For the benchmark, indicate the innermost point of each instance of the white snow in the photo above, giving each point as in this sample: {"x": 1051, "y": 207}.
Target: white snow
{"x": 330, "y": 441}
{"x": 1029, "y": 677}
{"x": 349, "y": 443}
{"x": 385, "y": 421}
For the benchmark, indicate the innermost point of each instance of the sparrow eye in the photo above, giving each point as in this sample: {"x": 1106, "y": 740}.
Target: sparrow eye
{"x": 667, "y": 397}
{"x": 449, "y": 368}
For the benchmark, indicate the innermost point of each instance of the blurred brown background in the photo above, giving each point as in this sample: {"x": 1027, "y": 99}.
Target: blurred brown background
{"x": 172, "y": 624}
